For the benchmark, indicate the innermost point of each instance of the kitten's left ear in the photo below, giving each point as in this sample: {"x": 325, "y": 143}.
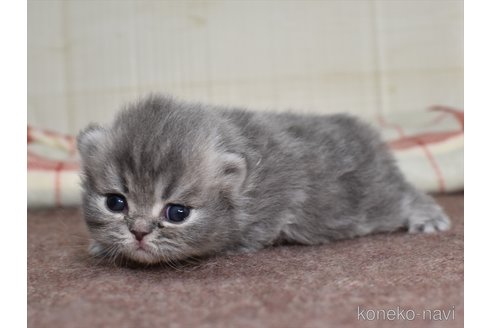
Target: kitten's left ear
{"x": 233, "y": 170}
{"x": 89, "y": 139}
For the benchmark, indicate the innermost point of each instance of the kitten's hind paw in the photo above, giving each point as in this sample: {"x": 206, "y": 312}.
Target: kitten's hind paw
{"x": 439, "y": 222}
{"x": 423, "y": 214}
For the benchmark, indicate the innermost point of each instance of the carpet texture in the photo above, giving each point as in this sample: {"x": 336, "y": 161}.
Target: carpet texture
{"x": 342, "y": 284}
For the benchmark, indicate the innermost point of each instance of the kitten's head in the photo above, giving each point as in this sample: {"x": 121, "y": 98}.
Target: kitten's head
{"x": 161, "y": 183}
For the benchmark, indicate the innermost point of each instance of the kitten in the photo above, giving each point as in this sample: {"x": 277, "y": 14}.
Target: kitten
{"x": 169, "y": 180}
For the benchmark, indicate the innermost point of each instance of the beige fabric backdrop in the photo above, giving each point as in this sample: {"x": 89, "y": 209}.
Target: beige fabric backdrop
{"x": 85, "y": 58}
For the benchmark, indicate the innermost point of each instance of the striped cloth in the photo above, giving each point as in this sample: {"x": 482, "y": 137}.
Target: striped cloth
{"x": 52, "y": 169}
{"x": 428, "y": 146}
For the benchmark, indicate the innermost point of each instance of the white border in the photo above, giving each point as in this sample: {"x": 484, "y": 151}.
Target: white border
{"x": 478, "y": 164}
{"x": 478, "y": 220}
{"x": 13, "y": 86}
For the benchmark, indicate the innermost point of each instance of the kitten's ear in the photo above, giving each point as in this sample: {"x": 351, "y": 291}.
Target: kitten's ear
{"x": 89, "y": 139}
{"x": 233, "y": 170}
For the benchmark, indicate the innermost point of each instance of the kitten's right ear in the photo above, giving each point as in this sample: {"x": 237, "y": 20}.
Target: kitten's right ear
{"x": 232, "y": 170}
{"x": 89, "y": 139}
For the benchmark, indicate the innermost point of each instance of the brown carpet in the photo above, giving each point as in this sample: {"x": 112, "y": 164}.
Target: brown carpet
{"x": 287, "y": 286}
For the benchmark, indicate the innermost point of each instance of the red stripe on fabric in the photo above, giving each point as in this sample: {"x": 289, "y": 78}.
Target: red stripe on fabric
{"x": 36, "y": 162}
{"x": 29, "y": 135}
{"x": 36, "y": 167}
{"x": 422, "y": 143}
{"x": 72, "y": 147}
{"x": 50, "y": 133}
{"x": 438, "y": 119}
{"x": 459, "y": 115}
{"x": 395, "y": 126}
{"x": 425, "y": 138}
{"x": 435, "y": 167}
{"x": 58, "y": 170}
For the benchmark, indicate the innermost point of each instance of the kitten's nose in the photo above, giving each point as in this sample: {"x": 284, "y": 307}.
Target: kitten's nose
{"x": 140, "y": 227}
{"x": 139, "y": 234}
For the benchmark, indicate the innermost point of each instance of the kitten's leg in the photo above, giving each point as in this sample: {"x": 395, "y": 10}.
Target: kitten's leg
{"x": 423, "y": 214}
{"x": 241, "y": 250}
{"x": 96, "y": 249}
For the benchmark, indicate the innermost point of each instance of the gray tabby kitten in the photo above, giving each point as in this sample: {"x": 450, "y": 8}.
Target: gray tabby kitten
{"x": 169, "y": 180}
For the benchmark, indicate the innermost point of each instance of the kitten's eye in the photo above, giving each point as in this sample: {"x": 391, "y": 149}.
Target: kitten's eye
{"x": 176, "y": 213}
{"x": 115, "y": 202}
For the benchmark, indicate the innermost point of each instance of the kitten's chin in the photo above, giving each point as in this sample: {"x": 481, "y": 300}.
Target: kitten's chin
{"x": 131, "y": 253}
{"x": 143, "y": 256}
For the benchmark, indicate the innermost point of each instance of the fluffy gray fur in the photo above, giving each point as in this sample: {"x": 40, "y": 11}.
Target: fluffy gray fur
{"x": 252, "y": 180}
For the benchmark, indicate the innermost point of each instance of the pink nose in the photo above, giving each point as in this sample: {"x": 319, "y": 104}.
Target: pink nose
{"x": 139, "y": 234}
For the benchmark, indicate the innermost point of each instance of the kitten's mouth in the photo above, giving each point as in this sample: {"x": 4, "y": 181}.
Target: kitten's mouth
{"x": 142, "y": 247}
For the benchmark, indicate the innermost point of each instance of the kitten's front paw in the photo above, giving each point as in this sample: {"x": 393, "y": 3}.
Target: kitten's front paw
{"x": 95, "y": 248}
{"x": 438, "y": 222}
{"x": 242, "y": 250}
